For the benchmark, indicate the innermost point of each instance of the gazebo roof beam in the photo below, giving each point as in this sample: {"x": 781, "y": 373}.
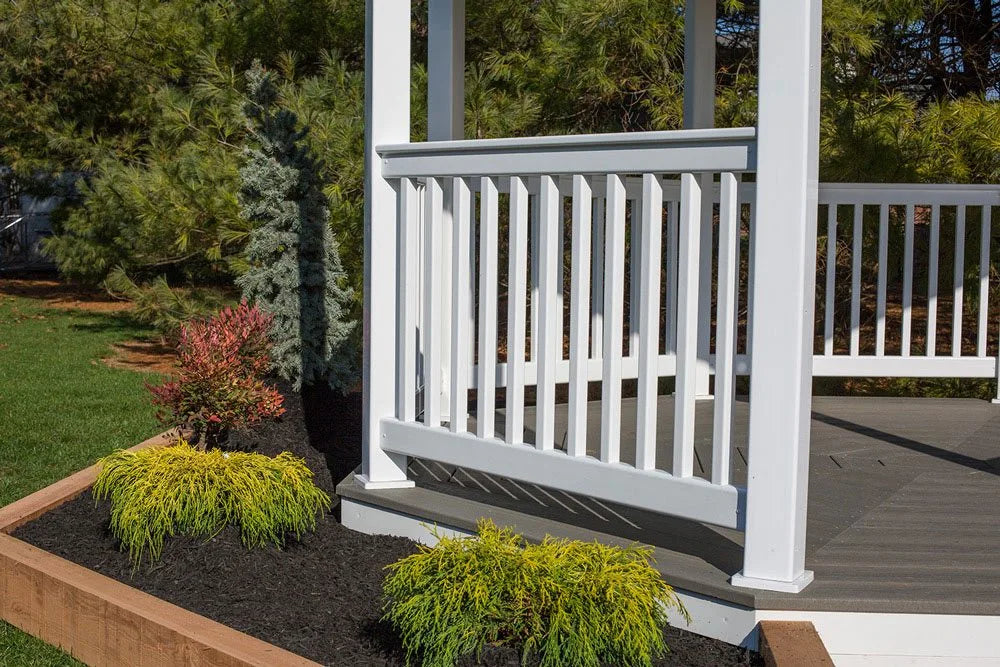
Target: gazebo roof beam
{"x": 699, "y": 64}
{"x": 446, "y": 70}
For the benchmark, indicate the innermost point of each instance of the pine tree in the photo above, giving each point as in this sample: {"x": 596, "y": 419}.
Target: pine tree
{"x": 294, "y": 268}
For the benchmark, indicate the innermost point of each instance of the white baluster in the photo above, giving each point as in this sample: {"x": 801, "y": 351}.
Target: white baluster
{"x": 597, "y": 281}
{"x": 647, "y": 283}
{"x": 859, "y": 212}
{"x": 635, "y": 254}
{"x": 549, "y": 319}
{"x": 431, "y": 333}
{"x": 409, "y": 295}
{"x": 614, "y": 296}
{"x": 985, "y": 235}
{"x": 687, "y": 326}
{"x": 516, "y": 319}
{"x": 576, "y": 436}
{"x": 883, "y": 260}
{"x": 908, "y": 281}
{"x": 932, "y": 281}
{"x": 831, "y": 277}
{"x": 486, "y": 385}
{"x": 461, "y": 276}
{"x": 725, "y": 336}
{"x": 673, "y": 217}
{"x": 959, "y": 283}
{"x": 535, "y": 266}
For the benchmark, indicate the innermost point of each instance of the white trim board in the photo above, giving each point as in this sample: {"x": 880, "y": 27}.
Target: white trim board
{"x": 690, "y": 497}
{"x": 910, "y": 661}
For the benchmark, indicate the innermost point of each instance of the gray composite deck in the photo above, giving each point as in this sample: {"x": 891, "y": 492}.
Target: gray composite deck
{"x": 904, "y": 507}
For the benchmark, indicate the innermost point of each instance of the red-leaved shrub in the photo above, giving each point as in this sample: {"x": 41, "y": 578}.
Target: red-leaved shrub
{"x": 221, "y": 384}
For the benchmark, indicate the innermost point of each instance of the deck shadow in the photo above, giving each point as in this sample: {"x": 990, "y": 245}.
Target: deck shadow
{"x": 913, "y": 445}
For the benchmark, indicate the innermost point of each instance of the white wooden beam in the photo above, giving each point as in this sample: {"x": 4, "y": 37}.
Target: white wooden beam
{"x": 699, "y": 64}
{"x": 446, "y": 122}
{"x": 784, "y": 291}
{"x": 699, "y": 113}
{"x": 387, "y": 120}
{"x": 730, "y": 149}
{"x": 446, "y": 70}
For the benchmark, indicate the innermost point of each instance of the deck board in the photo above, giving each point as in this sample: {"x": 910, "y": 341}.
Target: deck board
{"x": 904, "y": 506}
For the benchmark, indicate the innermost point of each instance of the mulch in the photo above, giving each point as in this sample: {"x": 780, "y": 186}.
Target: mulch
{"x": 321, "y": 597}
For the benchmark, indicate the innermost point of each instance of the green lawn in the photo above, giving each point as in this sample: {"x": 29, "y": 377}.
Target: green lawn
{"x": 61, "y": 408}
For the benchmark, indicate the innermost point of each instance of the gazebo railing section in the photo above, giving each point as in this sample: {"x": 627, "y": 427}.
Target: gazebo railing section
{"x": 532, "y": 268}
{"x": 944, "y": 233}
{"x": 625, "y": 200}
{"x": 903, "y": 281}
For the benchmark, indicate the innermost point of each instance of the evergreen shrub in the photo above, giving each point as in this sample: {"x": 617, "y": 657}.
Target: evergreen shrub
{"x": 156, "y": 303}
{"x": 563, "y": 602}
{"x": 294, "y": 271}
{"x": 179, "y": 490}
{"x": 220, "y": 385}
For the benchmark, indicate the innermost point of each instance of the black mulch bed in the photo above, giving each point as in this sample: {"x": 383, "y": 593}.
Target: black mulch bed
{"x": 319, "y": 598}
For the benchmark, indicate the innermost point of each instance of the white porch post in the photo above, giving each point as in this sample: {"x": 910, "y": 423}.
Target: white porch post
{"x": 387, "y": 120}
{"x": 784, "y": 288}
{"x": 699, "y": 113}
{"x": 445, "y": 122}
{"x": 446, "y": 70}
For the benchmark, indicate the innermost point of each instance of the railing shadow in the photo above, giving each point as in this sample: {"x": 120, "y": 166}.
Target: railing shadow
{"x": 720, "y": 548}
{"x": 909, "y": 443}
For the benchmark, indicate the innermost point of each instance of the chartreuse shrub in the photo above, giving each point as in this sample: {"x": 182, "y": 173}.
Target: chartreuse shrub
{"x": 179, "y": 490}
{"x": 564, "y": 602}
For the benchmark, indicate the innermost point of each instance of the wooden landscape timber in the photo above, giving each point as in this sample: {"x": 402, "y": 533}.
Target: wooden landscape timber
{"x": 100, "y": 621}
{"x": 792, "y": 644}
{"x": 30, "y": 507}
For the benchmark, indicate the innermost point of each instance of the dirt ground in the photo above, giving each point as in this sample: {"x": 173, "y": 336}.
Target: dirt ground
{"x": 146, "y": 356}
{"x": 143, "y": 356}
{"x": 56, "y": 294}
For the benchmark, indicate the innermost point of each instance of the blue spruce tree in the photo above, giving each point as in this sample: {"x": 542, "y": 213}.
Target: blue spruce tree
{"x": 294, "y": 268}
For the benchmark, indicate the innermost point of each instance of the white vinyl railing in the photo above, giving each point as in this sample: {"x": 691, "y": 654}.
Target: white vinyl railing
{"x": 631, "y": 315}
{"x": 921, "y": 216}
{"x": 921, "y": 312}
{"x": 553, "y": 263}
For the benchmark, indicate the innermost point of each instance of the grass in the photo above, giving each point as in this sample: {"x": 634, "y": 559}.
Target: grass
{"x": 61, "y": 409}
{"x": 18, "y": 649}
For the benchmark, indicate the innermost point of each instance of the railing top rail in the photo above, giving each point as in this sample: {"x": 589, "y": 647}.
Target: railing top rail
{"x": 909, "y": 193}
{"x": 569, "y": 141}
{"x": 629, "y": 152}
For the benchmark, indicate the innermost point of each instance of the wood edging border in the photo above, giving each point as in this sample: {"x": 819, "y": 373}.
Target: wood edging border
{"x": 101, "y": 621}
{"x": 32, "y": 506}
{"x": 792, "y": 644}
